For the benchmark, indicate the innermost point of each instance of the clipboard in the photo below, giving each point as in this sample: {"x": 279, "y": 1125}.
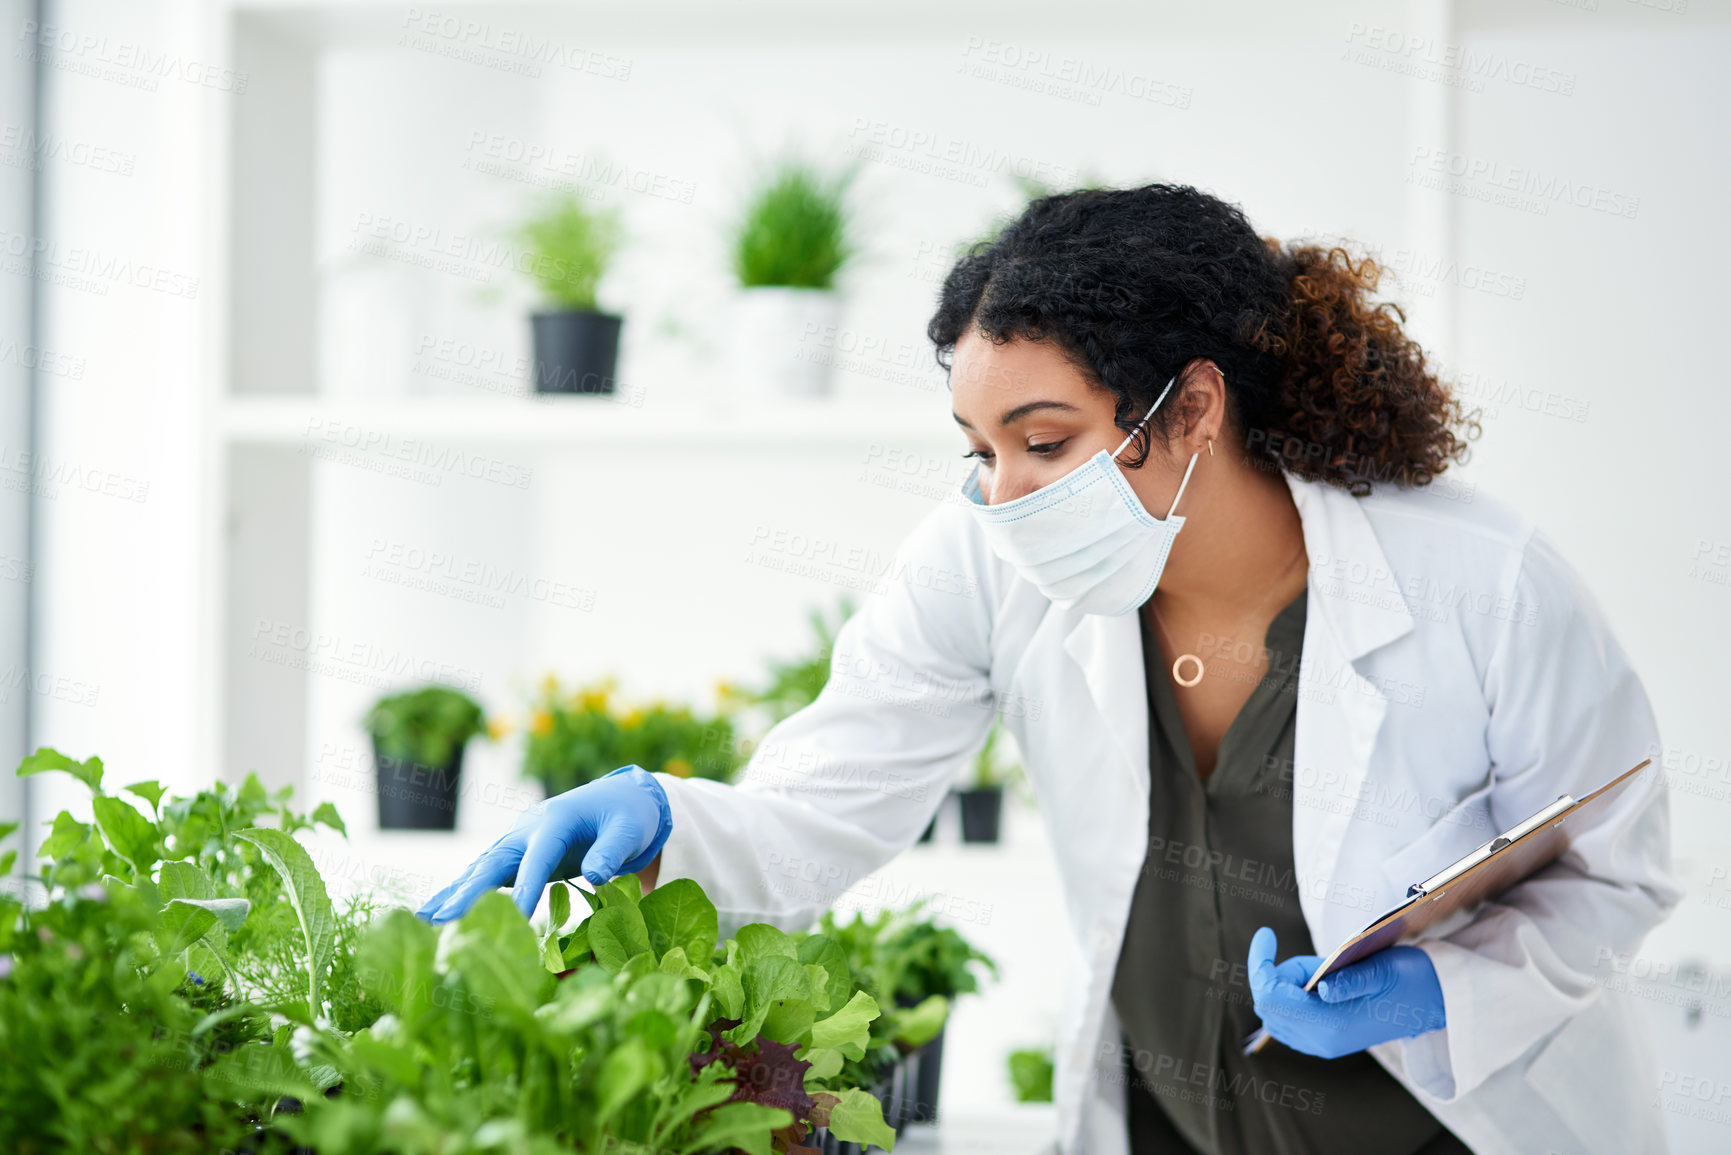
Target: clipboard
{"x": 1489, "y": 869}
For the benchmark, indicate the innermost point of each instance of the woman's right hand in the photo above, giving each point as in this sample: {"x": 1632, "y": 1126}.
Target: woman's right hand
{"x": 613, "y": 825}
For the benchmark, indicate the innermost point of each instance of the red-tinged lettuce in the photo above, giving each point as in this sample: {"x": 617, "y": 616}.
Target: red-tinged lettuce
{"x": 786, "y": 1015}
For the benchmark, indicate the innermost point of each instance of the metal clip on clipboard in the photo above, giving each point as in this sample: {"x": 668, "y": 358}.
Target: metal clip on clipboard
{"x": 1520, "y": 830}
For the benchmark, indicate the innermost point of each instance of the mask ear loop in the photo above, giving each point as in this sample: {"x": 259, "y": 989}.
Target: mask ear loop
{"x": 1193, "y": 456}
{"x": 1145, "y": 417}
{"x": 1182, "y": 484}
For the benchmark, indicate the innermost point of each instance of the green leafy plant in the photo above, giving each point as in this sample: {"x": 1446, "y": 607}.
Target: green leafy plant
{"x": 794, "y": 230}
{"x": 425, "y": 726}
{"x": 205, "y": 993}
{"x": 482, "y": 1040}
{"x": 1031, "y": 1070}
{"x": 910, "y": 965}
{"x": 102, "y": 1040}
{"x": 159, "y": 956}
{"x": 928, "y": 959}
{"x": 785, "y": 1015}
{"x": 906, "y": 956}
{"x": 580, "y": 735}
{"x": 567, "y": 247}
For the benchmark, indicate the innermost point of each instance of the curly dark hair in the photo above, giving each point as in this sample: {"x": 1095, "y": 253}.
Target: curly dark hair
{"x": 1132, "y": 285}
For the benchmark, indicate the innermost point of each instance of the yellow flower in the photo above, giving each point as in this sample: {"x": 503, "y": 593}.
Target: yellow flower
{"x": 633, "y": 718}
{"x": 540, "y": 723}
{"x": 550, "y": 685}
{"x": 678, "y": 767}
{"x": 497, "y": 728}
{"x": 595, "y": 700}
{"x": 729, "y": 697}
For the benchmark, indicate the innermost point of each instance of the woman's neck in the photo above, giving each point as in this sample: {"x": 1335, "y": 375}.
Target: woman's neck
{"x": 1242, "y": 533}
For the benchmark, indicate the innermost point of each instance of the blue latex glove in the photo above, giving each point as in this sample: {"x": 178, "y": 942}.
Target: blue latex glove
{"x": 613, "y": 825}
{"x": 1393, "y": 994}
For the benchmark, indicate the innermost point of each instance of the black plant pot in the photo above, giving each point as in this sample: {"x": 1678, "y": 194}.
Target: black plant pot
{"x": 981, "y": 809}
{"x": 924, "y": 1074}
{"x": 910, "y": 1072}
{"x": 930, "y": 1079}
{"x": 417, "y": 797}
{"x": 894, "y": 1095}
{"x": 575, "y": 351}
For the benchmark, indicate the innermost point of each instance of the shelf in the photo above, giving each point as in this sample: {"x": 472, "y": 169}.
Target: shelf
{"x": 575, "y": 420}
{"x": 1021, "y": 1129}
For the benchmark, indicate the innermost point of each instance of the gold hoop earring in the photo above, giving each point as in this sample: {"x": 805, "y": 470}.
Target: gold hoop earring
{"x": 1211, "y": 447}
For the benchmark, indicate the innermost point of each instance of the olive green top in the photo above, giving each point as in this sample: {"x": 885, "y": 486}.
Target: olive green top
{"x": 1219, "y": 866}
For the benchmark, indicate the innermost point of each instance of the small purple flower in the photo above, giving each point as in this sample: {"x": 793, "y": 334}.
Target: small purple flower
{"x": 198, "y": 979}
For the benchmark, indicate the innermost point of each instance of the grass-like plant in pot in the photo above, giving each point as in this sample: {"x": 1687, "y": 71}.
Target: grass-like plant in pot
{"x": 566, "y": 249}
{"x": 418, "y": 741}
{"x": 793, "y": 236}
{"x": 579, "y": 735}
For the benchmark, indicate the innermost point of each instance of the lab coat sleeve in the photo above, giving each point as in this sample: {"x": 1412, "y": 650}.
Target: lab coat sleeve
{"x": 1567, "y": 714}
{"x": 838, "y": 788}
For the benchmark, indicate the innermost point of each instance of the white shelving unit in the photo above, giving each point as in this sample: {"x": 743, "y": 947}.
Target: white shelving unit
{"x": 329, "y": 431}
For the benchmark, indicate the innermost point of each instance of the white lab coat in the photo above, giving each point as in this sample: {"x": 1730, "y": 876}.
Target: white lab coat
{"x": 1456, "y": 676}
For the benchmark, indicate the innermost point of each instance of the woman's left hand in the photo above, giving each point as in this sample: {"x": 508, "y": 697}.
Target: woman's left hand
{"x": 1393, "y": 994}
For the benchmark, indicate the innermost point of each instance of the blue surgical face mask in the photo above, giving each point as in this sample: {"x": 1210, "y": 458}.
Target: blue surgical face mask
{"x": 1085, "y": 540}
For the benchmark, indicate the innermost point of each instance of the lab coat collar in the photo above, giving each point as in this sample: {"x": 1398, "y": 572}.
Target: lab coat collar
{"x": 1361, "y": 600}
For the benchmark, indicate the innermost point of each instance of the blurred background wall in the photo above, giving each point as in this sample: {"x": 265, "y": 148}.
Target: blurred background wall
{"x": 267, "y": 291}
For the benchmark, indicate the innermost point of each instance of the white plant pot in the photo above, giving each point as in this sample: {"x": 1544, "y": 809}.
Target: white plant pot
{"x": 784, "y": 341}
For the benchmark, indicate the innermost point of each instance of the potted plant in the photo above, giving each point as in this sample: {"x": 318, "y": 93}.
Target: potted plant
{"x": 577, "y": 736}
{"x": 982, "y": 800}
{"x": 566, "y": 249}
{"x": 418, "y": 742}
{"x": 788, "y": 244}
{"x": 930, "y": 962}
{"x": 906, "y": 959}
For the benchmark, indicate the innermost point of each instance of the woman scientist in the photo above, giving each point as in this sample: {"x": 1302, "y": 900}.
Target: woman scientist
{"x": 1263, "y": 675}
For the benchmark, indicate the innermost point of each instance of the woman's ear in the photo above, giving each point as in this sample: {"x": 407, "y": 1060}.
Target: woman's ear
{"x": 1202, "y": 406}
